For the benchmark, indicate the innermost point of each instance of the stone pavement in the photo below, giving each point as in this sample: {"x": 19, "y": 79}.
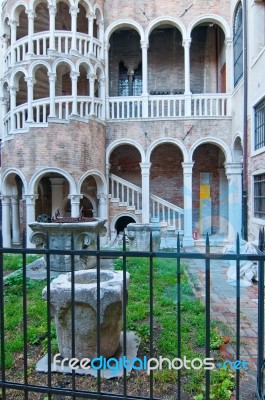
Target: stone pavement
{"x": 223, "y": 308}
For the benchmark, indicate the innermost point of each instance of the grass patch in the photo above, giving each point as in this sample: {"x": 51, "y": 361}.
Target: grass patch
{"x": 165, "y": 290}
{"x": 13, "y": 262}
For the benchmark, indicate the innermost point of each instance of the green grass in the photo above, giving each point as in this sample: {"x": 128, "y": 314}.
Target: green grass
{"x": 13, "y": 262}
{"x": 165, "y": 291}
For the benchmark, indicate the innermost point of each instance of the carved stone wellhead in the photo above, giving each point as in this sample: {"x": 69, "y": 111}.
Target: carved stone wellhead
{"x": 59, "y": 234}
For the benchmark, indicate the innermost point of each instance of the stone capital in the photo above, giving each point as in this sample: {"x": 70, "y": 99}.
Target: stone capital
{"x": 144, "y": 44}
{"x": 102, "y": 196}
{"x": 186, "y": 43}
{"x": 187, "y": 167}
{"x": 31, "y": 14}
{"x": 74, "y": 75}
{"x": 30, "y": 198}
{"x": 74, "y": 11}
{"x": 52, "y": 9}
{"x": 13, "y": 23}
{"x": 52, "y": 76}
{"x": 75, "y": 198}
{"x": 5, "y": 199}
{"x": 233, "y": 168}
{"x": 145, "y": 168}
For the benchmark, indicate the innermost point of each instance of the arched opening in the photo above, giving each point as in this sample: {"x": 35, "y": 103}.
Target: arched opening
{"x": 63, "y": 85}
{"x": 22, "y": 27}
{"x": 82, "y": 21}
{"x": 22, "y": 92}
{"x": 125, "y": 163}
{"x": 83, "y": 81}
{"x": 52, "y": 188}
{"x": 166, "y": 174}
{"x": 89, "y": 202}
{"x": 41, "y": 85}
{"x": 122, "y": 223}
{"x": 208, "y": 59}
{"x": 16, "y": 212}
{"x": 63, "y": 17}
{"x": 125, "y": 63}
{"x": 41, "y": 19}
{"x": 209, "y": 191}
{"x": 165, "y": 61}
{"x": 238, "y": 43}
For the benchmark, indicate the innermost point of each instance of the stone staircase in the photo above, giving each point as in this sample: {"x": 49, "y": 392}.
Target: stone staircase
{"x": 128, "y": 197}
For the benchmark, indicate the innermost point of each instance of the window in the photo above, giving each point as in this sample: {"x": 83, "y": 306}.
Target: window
{"x": 238, "y": 44}
{"x": 259, "y": 196}
{"x": 259, "y": 124}
{"x": 130, "y": 84}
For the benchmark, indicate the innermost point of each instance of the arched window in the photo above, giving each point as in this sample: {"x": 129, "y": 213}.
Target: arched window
{"x": 238, "y": 44}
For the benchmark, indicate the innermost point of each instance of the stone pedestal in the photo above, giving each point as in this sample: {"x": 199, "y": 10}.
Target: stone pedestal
{"x": 60, "y": 235}
{"x": 139, "y": 236}
{"x": 85, "y": 312}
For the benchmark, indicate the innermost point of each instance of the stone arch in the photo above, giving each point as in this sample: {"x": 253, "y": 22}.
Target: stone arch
{"x": 83, "y": 61}
{"x": 167, "y": 140}
{"x": 99, "y": 13}
{"x": 237, "y": 148}
{"x": 39, "y": 174}
{"x": 99, "y": 178}
{"x": 15, "y": 10}
{"x": 168, "y": 20}
{"x": 210, "y": 18}
{"x": 213, "y": 140}
{"x": 126, "y": 23}
{"x": 123, "y": 214}
{"x": 120, "y": 142}
{"x": 87, "y": 5}
{"x": 14, "y": 75}
{"x": 61, "y": 60}
{"x": 35, "y": 65}
{"x": 11, "y": 172}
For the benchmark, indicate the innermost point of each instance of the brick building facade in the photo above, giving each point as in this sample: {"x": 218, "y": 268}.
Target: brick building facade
{"x": 134, "y": 111}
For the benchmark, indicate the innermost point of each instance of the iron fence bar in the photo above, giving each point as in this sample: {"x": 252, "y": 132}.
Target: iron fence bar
{"x": 179, "y": 314}
{"x": 98, "y": 311}
{"x": 73, "y": 312}
{"x": 2, "y": 318}
{"x": 138, "y": 254}
{"x": 207, "y": 316}
{"x": 24, "y": 308}
{"x": 69, "y": 392}
{"x": 151, "y": 310}
{"x": 124, "y": 301}
{"x": 49, "y": 357}
{"x": 237, "y": 315}
{"x": 260, "y": 362}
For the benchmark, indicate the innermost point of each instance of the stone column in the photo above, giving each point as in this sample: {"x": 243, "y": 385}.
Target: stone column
{"x": 6, "y": 222}
{"x": 234, "y": 176}
{"x": 92, "y": 78}
{"x": 223, "y": 211}
{"x": 13, "y": 92}
{"x": 52, "y": 13}
{"x": 30, "y": 98}
{"x": 91, "y": 17}
{"x": 52, "y": 78}
{"x": 3, "y": 114}
{"x": 102, "y": 96}
{"x": 106, "y": 49}
{"x": 229, "y": 65}
{"x": 75, "y": 204}
{"x": 101, "y": 39}
{"x": 74, "y": 76}
{"x": 13, "y": 25}
{"x": 30, "y": 214}
{"x": 187, "y": 187}
{"x": 15, "y": 220}
{"x": 145, "y": 170}
{"x": 102, "y": 205}
{"x": 144, "y": 46}
{"x": 57, "y": 194}
{"x": 186, "y": 44}
{"x": 74, "y": 11}
{"x": 31, "y": 16}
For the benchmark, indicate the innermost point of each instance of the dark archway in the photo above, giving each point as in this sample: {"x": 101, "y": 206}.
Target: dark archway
{"x": 122, "y": 222}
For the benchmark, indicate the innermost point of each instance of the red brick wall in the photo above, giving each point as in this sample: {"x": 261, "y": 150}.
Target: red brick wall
{"x": 75, "y": 147}
{"x": 125, "y": 162}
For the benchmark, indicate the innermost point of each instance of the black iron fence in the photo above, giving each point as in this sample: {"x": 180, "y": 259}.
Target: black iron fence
{"x": 20, "y": 381}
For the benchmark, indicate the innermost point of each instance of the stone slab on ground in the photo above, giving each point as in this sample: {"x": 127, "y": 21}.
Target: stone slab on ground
{"x": 108, "y": 373}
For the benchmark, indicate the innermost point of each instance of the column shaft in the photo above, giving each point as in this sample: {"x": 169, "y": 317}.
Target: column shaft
{"x": 145, "y": 170}
{"x": 187, "y": 186}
